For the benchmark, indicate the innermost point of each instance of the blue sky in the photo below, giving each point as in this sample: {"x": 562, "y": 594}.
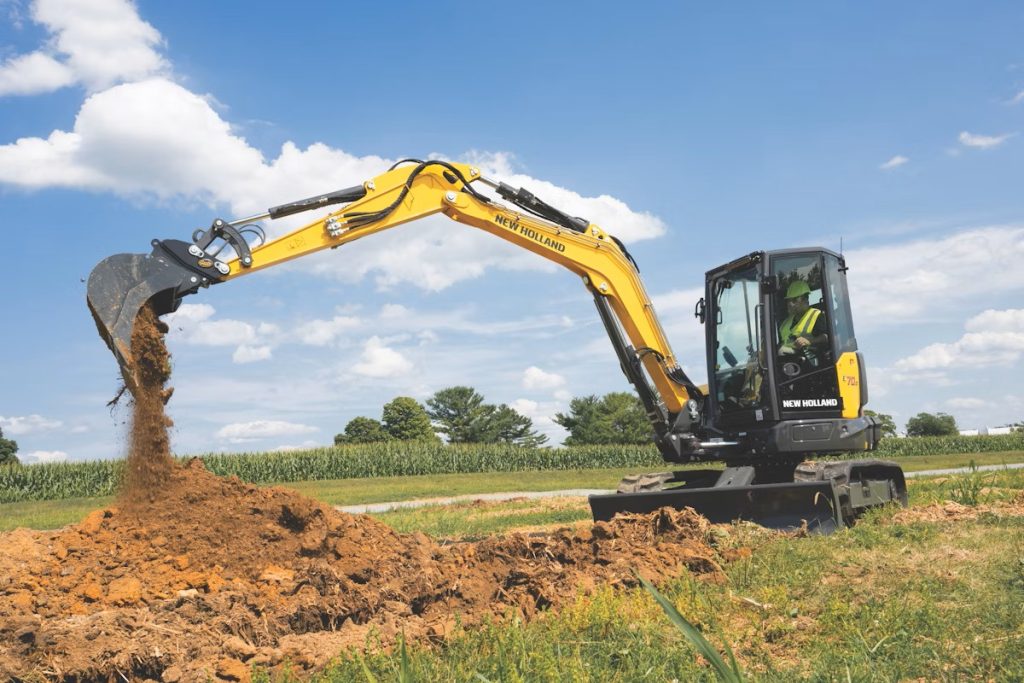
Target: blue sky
{"x": 696, "y": 134}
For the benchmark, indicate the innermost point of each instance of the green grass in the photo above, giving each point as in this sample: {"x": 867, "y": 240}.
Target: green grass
{"x": 48, "y": 514}
{"x": 54, "y": 514}
{"x": 359, "y": 491}
{"x": 471, "y": 521}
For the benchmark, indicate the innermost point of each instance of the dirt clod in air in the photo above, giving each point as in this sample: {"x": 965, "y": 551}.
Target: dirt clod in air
{"x": 194, "y": 577}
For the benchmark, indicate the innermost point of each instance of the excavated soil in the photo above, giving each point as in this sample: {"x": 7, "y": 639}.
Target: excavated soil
{"x": 950, "y": 511}
{"x": 193, "y": 577}
{"x": 149, "y": 461}
{"x": 218, "y": 575}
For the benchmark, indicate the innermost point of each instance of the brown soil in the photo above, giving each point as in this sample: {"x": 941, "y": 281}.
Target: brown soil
{"x": 194, "y": 577}
{"x": 950, "y": 511}
{"x": 149, "y": 461}
{"x": 221, "y": 570}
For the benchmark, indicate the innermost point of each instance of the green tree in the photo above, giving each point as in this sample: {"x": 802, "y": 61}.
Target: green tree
{"x": 618, "y": 417}
{"x": 927, "y": 424}
{"x": 8, "y": 450}
{"x": 512, "y": 427}
{"x": 888, "y": 424}
{"x": 460, "y": 414}
{"x": 362, "y": 430}
{"x": 405, "y": 419}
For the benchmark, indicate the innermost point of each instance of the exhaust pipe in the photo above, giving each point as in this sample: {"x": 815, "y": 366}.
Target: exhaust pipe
{"x": 121, "y": 285}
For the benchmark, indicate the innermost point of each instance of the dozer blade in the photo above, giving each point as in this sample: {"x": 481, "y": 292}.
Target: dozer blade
{"x": 121, "y": 285}
{"x": 785, "y": 506}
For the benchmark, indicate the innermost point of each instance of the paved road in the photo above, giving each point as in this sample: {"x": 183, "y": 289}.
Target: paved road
{"x": 580, "y": 493}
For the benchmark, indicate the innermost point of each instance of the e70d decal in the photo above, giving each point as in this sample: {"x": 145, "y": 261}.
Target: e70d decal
{"x": 515, "y": 226}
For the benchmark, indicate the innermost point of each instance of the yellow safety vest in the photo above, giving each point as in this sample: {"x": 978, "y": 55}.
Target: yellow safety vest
{"x": 803, "y": 328}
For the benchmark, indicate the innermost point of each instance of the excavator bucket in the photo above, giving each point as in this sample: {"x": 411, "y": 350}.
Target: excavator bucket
{"x": 121, "y": 285}
{"x": 786, "y": 506}
{"x": 728, "y": 496}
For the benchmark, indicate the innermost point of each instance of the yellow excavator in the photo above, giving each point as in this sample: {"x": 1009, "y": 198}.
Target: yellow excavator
{"x": 786, "y": 382}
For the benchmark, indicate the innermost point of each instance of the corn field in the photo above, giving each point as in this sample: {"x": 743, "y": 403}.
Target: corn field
{"x": 55, "y": 481}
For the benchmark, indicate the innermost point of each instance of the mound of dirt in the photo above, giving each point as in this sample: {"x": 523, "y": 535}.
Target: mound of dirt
{"x": 219, "y": 575}
{"x": 194, "y": 577}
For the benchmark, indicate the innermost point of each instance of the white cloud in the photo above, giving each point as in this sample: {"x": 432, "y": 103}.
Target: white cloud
{"x": 994, "y": 338}
{"x": 240, "y": 432}
{"x": 222, "y": 333}
{"x": 251, "y": 354}
{"x": 610, "y": 213}
{"x": 193, "y": 324}
{"x": 542, "y": 416}
{"x": 93, "y": 42}
{"x": 33, "y": 73}
{"x": 120, "y": 131}
{"x": 535, "y": 378}
{"x": 967, "y": 403}
{"x": 1010, "y": 320}
{"x": 33, "y": 457}
{"x": 323, "y": 332}
{"x": 894, "y": 162}
{"x": 1018, "y": 98}
{"x": 896, "y": 284}
{"x": 308, "y": 443}
{"x": 983, "y": 141}
{"x": 675, "y": 310}
{"x": 28, "y": 424}
{"x": 188, "y": 315}
{"x": 379, "y": 360}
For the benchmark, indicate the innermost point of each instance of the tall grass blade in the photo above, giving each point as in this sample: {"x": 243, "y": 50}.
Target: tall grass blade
{"x": 696, "y": 638}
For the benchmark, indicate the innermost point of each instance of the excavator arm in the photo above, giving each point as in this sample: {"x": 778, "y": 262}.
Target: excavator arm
{"x": 756, "y": 485}
{"x": 411, "y": 190}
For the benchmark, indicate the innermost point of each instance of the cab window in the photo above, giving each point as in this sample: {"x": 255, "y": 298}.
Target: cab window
{"x": 801, "y": 318}
{"x": 839, "y": 305}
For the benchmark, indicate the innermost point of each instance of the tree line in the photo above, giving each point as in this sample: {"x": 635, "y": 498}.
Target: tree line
{"x": 461, "y": 415}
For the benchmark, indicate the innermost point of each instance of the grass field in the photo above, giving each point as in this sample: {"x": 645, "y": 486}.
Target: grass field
{"x": 57, "y": 513}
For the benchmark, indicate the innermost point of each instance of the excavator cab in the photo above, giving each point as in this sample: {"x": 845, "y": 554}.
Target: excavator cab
{"x": 786, "y": 385}
{"x": 784, "y": 372}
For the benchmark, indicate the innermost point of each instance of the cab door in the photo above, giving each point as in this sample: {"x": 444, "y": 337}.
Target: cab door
{"x": 803, "y": 334}
{"x": 738, "y": 375}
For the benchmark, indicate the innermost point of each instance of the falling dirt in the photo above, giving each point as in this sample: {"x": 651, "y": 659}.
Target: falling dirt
{"x": 221, "y": 570}
{"x": 149, "y": 461}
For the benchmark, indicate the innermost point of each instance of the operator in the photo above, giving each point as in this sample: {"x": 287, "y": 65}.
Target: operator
{"x": 804, "y": 327}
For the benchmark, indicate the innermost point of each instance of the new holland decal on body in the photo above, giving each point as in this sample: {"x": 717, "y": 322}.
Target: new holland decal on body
{"x": 810, "y": 403}
{"x": 515, "y": 226}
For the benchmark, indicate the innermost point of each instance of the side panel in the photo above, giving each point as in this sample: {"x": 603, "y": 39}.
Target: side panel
{"x": 848, "y": 372}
